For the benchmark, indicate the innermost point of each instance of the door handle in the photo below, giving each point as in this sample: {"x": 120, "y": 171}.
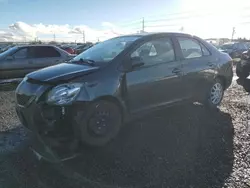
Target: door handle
{"x": 176, "y": 71}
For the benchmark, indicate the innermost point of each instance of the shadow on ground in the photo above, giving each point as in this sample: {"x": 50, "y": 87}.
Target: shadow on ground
{"x": 185, "y": 146}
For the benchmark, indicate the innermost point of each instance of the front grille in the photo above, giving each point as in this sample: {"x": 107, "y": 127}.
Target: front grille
{"x": 23, "y": 99}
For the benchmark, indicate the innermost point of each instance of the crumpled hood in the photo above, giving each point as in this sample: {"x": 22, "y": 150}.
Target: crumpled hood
{"x": 61, "y": 72}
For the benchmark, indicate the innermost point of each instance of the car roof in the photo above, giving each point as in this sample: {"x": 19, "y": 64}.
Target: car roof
{"x": 36, "y": 45}
{"x": 158, "y": 34}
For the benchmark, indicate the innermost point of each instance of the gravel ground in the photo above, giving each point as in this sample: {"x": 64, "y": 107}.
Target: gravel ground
{"x": 184, "y": 146}
{"x": 8, "y": 118}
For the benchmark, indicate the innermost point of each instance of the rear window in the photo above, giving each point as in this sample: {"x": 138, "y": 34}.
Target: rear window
{"x": 44, "y": 52}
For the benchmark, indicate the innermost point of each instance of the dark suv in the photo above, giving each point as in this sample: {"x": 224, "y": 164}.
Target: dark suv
{"x": 234, "y": 49}
{"x": 86, "y": 100}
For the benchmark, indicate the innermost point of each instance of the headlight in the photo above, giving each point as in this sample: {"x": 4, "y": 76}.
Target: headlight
{"x": 63, "y": 94}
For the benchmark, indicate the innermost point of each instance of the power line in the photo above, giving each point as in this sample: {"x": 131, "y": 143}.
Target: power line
{"x": 178, "y": 18}
{"x": 163, "y": 25}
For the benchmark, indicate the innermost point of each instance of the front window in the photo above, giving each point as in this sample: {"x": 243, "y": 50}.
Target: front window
{"x": 10, "y": 51}
{"x": 155, "y": 52}
{"x": 107, "y": 50}
{"x": 21, "y": 54}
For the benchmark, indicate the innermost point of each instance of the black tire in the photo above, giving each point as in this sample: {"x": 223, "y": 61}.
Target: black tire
{"x": 241, "y": 71}
{"x": 100, "y": 123}
{"x": 209, "y": 101}
{"x": 242, "y": 74}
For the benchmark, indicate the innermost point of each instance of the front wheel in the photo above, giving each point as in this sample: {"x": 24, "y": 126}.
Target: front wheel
{"x": 215, "y": 94}
{"x": 100, "y": 124}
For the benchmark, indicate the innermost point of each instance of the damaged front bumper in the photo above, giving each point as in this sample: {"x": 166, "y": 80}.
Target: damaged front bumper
{"x": 51, "y": 127}
{"x": 43, "y": 151}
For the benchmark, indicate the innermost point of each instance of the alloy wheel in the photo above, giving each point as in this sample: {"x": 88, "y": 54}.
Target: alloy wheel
{"x": 216, "y": 93}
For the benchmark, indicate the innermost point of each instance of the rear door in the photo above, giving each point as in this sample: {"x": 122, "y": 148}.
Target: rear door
{"x": 44, "y": 56}
{"x": 199, "y": 66}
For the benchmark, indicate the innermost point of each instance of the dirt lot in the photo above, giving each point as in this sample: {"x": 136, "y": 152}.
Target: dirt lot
{"x": 185, "y": 146}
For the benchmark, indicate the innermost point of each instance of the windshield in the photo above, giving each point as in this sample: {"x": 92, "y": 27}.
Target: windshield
{"x": 9, "y": 51}
{"x": 107, "y": 50}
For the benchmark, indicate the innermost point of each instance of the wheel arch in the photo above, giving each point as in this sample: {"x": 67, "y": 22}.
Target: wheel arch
{"x": 114, "y": 100}
{"x": 223, "y": 80}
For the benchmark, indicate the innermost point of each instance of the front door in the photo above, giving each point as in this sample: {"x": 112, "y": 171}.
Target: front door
{"x": 16, "y": 65}
{"x": 158, "y": 82}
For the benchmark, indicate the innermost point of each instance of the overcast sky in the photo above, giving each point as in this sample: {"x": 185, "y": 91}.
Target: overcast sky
{"x": 66, "y": 20}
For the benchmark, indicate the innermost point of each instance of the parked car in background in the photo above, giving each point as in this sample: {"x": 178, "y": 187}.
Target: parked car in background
{"x": 248, "y": 44}
{"x": 234, "y": 49}
{"x": 6, "y": 47}
{"x": 68, "y": 49}
{"x": 89, "y": 98}
{"x": 18, "y": 61}
{"x": 243, "y": 66}
{"x": 81, "y": 48}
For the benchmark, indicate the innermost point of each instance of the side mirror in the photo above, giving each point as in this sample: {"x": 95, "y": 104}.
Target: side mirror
{"x": 136, "y": 62}
{"x": 130, "y": 63}
{"x": 9, "y": 58}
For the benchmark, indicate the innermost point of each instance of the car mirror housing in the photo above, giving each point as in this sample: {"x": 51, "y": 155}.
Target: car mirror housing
{"x": 136, "y": 62}
{"x": 129, "y": 64}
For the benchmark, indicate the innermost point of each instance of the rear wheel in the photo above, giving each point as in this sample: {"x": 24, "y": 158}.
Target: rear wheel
{"x": 100, "y": 124}
{"x": 215, "y": 94}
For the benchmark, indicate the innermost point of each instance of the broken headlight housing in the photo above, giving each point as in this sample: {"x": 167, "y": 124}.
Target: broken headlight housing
{"x": 63, "y": 94}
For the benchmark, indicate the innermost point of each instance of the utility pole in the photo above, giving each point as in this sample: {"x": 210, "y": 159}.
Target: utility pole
{"x": 182, "y": 29}
{"x": 143, "y": 25}
{"x": 233, "y": 32}
{"x": 83, "y": 36}
{"x": 54, "y": 37}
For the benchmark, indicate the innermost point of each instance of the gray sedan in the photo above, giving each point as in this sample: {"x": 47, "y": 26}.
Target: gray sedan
{"x": 18, "y": 61}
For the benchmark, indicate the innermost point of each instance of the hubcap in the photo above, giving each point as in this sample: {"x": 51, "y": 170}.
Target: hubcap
{"x": 99, "y": 124}
{"x": 216, "y": 93}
